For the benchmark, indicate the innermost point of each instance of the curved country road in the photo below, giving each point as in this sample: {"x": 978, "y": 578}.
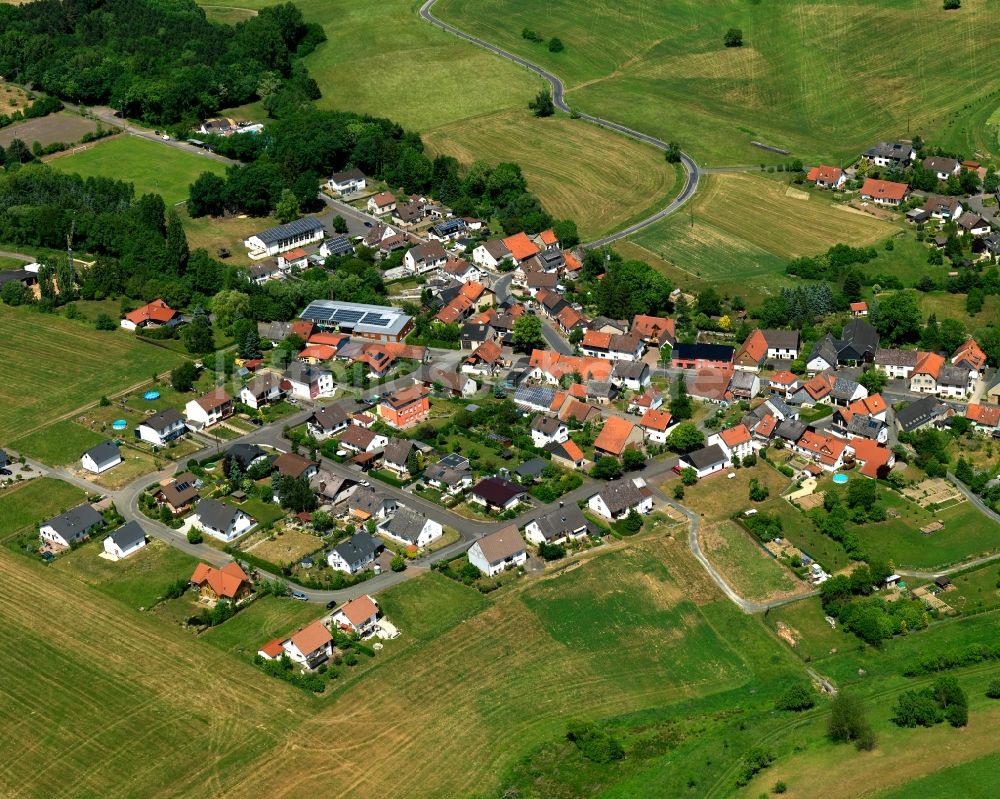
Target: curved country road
{"x": 692, "y": 173}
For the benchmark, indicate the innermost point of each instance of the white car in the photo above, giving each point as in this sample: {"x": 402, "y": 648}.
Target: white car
{"x": 165, "y": 137}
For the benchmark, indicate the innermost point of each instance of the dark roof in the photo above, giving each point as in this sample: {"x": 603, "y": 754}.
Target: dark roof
{"x": 405, "y": 524}
{"x": 75, "y": 523}
{"x": 349, "y": 174}
{"x": 329, "y": 417}
{"x": 398, "y": 450}
{"x": 865, "y": 426}
{"x": 706, "y": 352}
{"x": 245, "y": 454}
{"x": 860, "y": 336}
{"x": 358, "y": 548}
{"x": 889, "y": 356}
{"x": 790, "y": 430}
{"x": 532, "y": 468}
{"x": 497, "y": 491}
{"x": 630, "y": 370}
{"x": 706, "y": 456}
{"x": 298, "y": 227}
{"x": 621, "y": 495}
{"x": 781, "y": 339}
{"x": 164, "y": 419}
{"x": 338, "y": 245}
{"x": 105, "y": 452}
{"x": 918, "y": 413}
{"x": 215, "y": 514}
{"x": 474, "y": 332}
{"x": 455, "y": 461}
{"x": 561, "y": 521}
{"x": 826, "y": 349}
{"x": 546, "y": 425}
{"x": 128, "y": 535}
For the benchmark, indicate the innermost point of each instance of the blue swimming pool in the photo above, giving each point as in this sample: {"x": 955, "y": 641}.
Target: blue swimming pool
{"x": 840, "y": 479}
{"x": 119, "y": 424}
{"x": 151, "y": 395}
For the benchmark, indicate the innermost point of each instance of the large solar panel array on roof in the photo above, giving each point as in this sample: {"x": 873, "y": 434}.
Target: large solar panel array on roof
{"x": 317, "y": 313}
{"x": 346, "y": 315}
{"x": 356, "y": 317}
{"x": 540, "y": 396}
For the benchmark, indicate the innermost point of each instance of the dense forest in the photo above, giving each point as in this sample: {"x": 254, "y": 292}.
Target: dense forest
{"x": 160, "y": 61}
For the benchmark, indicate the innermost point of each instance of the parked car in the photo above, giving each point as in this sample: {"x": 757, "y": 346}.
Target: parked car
{"x": 331, "y": 604}
{"x": 299, "y": 596}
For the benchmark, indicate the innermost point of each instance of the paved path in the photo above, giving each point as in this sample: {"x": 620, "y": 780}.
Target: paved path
{"x": 20, "y": 256}
{"x": 559, "y": 99}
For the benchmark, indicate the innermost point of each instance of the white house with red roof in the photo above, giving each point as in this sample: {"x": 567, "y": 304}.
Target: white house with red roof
{"x": 784, "y": 383}
{"x": 826, "y": 177}
{"x": 884, "y": 192}
{"x": 358, "y": 616}
{"x": 309, "y": 647}
{"x": 736, "y": 442}
{"x": 155, "y": 314}
{"x": 656, "y": 424}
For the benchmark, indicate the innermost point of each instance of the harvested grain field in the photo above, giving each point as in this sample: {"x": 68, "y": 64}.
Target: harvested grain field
{"x": 62, "y": 127}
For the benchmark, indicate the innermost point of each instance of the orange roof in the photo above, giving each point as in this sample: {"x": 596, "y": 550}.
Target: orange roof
{"x": 225, "y": 582}
{"x": 971, "y": 352}
{"x": 473, "y": 290}
{"x": 303, "y": 329}
{"x": 395, "y": 349}
{"x": 869, "y": 406}
{"x": 359, "y": 610}
{"x": 520, "y": 246}
{"x": 784, "y": 378}
{"x": 575, "y": 409}
{"x": 645, "y": 400}
{"x": 594, "y": 338}
{"x": 928, "y": 363}
{"x": 884, "y": 189}
{"x": 652, "y": 326}
{"x": 820, "y": 385}
{"x": 558, "y": 366}
{"x": 213, "y": 399}
{"x": 487, "y": 352}
{"x": 294, "y": 255}
{"x": 569, "y": 316}
{"x": 872, "y": 454}
{"x": 828, "y": 174}
{"x": 272, "y": 649}
{"x": 755, "y": 347}
{"x": 405, "y": 396}
{"x": 557, "y": 400}
{"x": 859, "y": 306}
{"x": 766, "y": 426}
{"x": 311, "y": 637}
{"x": 578, "y": 390}
{"x": 986, "y": 415}
{"x": 331, "y": 339}
{"x": 572, "y": 263}
{"x": 548, "y": 237}
{"x": 157, "y": 311}
{"x": 614, "y": 435}
{"x": 572, "y": 450}
{"x": 656, "y": 420}
{"x": 827, "y": 448}
{"x": 735, "y": 436}
{"x": 321, "y": 352}
{"x": 384, "y": 198}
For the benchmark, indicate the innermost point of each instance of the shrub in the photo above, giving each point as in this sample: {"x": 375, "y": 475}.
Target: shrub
{"x": 755, "y": 760}
{"x": 951, "y": 5}
{"x": 848, "y": 721}
{"x": 556, "y": 45}
{"x": 993, "y": 689}
{"x": 734, "y": 38}
{"x": 194, "y": 536}
{"x": 594, "y": 744}
{"x": 797, "y": 697}
{"x": 779, "y": 787}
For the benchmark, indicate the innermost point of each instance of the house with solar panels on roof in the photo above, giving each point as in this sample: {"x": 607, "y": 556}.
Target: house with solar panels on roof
{"x": 381, "y": 323}
{"x": 272, "y": 241}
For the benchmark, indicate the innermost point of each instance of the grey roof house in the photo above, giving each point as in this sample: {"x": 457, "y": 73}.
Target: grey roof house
{"x": 70, "y": 527}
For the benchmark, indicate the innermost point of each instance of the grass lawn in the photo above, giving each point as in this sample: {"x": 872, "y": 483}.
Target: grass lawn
{"x": 818, "y": 411}
{"x": 744, "y": 228}
{"x": 973, "y": 780}
{"x": 58, "y": 444}
{"x": 229, "y": 232}
{"x": 796, "y": 83}
{"x": 579, "y": 170}
{"x": 55, "y": 365}
{"x": 35, "y": 500}
{"x": 259, "y": 622}
{"x": 718, "y": 497}
{"x": 150, "y": 166}
{"x": 621, "y": 633}
{"x": 134, "y": 696}
{"x": 975, "y": 590}
{"x": 427, "y": 606}
{"x": 139, "y": 581}
{"x": 798, "y": 529}
{"x": 263, "y": 512}
{"x": 135, "y": 463}
{"x": 287, "y": 548}
{"x": 227, "y": 15}
{"x": 806, "y": 622}
{"x": 751, "y": 572}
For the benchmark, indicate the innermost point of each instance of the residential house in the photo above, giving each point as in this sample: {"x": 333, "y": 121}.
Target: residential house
{"x": 521, "y": 248}
{"x": 823, "y": 355}
{"x": 654, "y": 330}
{"x": 358, "y": 616}
{"x": 858, "y": 309}
{"x": 209, "y": 409}
{"x": 828, "y": 452}
{"x": 884, "y": 192}
{"x": 615, "y": 500}
{"x": 944, "y": 208}
{"x": 278, "y": 239}
{"x": 457, "y": 385}
{"x": 355, "y": 554}
{"x": 565, "y": 523}
{"x": 293, "y": 259}
{"x": 874, "y": 460}
{"x": 497, "y": 495}
{"x": 473, "y": 335}
{"x": 552, "y": 367}
{"x": 332, "y": 489}
{"x": 702, "y": 356}
{"x": 826, "y": 177}
{"x": 546, "y": 430}
{"x": 406, "y": 407}
{"x": 633, "y": 375}
{"x": 155, "y": 314}
{"x": 827, "y": 386}
{"x": 762, "y": 345}
{"x": 895, "y": 155}
{"x": 942, "y": 167}
{"x": 487, "y": 360}
{"x": 366, "y": 503}
{"x": 408, "y": 214}
{"x": 897, "y": 364}
{"x": 101, "y": 458}
{"x": 736, "y": 441}
{"x": 425, "y": 257}
{"x": 650, "y": 399}
{"x": 246, "y": 455}
{"x": 382, "y": 203}
{"x": 451, "y": 480}
{"x": 858, "y": 342}
{"x": 411, "y": 528}
{"x": 993, "y": 391}
{"x": 126, "y": 540}
{"x": 221, "y": 520}
{"x": 347, "y": 182}
{"x": 971, "y": 357}
{"x": 656, "y": 425}
{"x": 921, "y": 413}
{"x": 705, "y": 461}
{"x": 356, "y": 438}
{"x": 538, "y": 281}
{"x": 70, "y": 527}
{"x": 984, "y": 418}
{"x": 498, "y": 551}
{"x": 612, "y": 346}
{"x": 288, "y": 464}
{"x": 396, "y": 456}
{"x": 744, "y": 385}
{"x": 783, "y": 383}
{"x": 616, "y": 435}
{"x": 161, "y": 428}
{"x": 449, "y": 230}
{"x": 230, "y": 582}
{"x": 491, "y": 254}
{"x": 262, "y": 390}
{"x": 567, "y": 454}
{"x": 309, "y": 647}
{"x": 603, "y": 324}
{"x": 304, "y": 381}
{"x": 336, "y": 246}
{"x": 924, "y": 377}
{"x": 178, "y": 494}
{"x": 972, "y": 224}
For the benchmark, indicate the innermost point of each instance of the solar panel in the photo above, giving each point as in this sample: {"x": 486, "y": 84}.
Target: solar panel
{"x": 377, "y": 320}
{"x": 311, "y": 314}
{"x": 345, "y": 315}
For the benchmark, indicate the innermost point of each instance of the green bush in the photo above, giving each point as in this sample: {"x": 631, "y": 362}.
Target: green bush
{"x": 594, "y": 744}
{"x": 194, "y": 536}
{"x": 754, "y": 761}
{"x": 797, "y": 697}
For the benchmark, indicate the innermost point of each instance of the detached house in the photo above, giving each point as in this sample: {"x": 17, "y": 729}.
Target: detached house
{"x": 656, "y": 424}
{"x": 970, "y": 356}
{"x": 358, "y": 616}
{"x": 309, "y": 647}
{"x": 303, "y": 381}
{"x": 357, "y": 438}
{"x": 884, "y": 192}
{"x": 230, "y": 582}
{"x": 616, "y": 435}
{"x": 347, "y": 182}
{"x": 890, "y": 154}
{"x": 101, "y": 458}
{"x": 654, "y": 330}
{"x": 736, "y": 442}
{"x": 615, "y": 500}
{"x": 155, "y": 314}
{"x": 486, "y": 360}
{"x": 633, "y": 375}
{"x": 567, "y": 454}
{"x": 71, "y": 527}
{"x": 264, "y": 389}
{"x": 498, "y": 551}
{"x": 945, "y": 208}
{"x": 406, "y": 407}
{"x": 355, "y": 554}
{"x": 178, "y": 494}
{"x": 209, "y": 409}
{"x": 491, "y": 254}
{"x": 565, "y": 523}
{"x": 126, "y": 540}
{"x": 220, "y": 520}
{"x": 984, "y": 418}
{"x": 826, "y": 177}
{"x": 425, "y": 257}
{"x": 546, "y": 430}
{"x": 942, "y": 167}
{"x": 411, "y": 528}
{"x": 161, "y": 428}
{"x": 382, "y": 203}
{"x": 897, "y": 364}
{"x": 705, "y": 461}
{"x": 497, "y": 495}
{"x": 827, "y": 451}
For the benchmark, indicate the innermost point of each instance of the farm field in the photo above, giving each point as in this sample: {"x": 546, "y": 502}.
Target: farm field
{"x": 973, "y": 780}
{"x": 740, "y": 230}
{"x": 748, "y": 569}
{"x": 59, "y": 127}
{"x": 55, "y": 365}
{"x": 622, "y": 633}
{"x": 92, "y": 696}
{"x": 582, "y": 174}
{"x": 58, "y": 444}
{"x": 149, "y": 166}
{"x": 796, "y": 83}
{"x": 35, "y": 500}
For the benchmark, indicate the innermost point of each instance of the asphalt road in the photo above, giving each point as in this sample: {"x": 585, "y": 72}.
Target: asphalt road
{"x": 559, "y": 99}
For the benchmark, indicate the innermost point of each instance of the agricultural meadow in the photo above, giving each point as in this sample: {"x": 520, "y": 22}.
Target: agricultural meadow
{"x": 799, "y": 82}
